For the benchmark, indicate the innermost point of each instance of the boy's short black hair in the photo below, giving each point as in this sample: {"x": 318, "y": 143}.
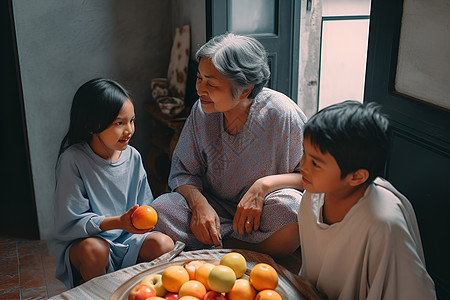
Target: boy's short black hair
{"x": 355, "y": 134}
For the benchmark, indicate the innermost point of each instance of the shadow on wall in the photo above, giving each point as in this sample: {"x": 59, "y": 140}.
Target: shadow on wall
{"x": 142, "y": 39}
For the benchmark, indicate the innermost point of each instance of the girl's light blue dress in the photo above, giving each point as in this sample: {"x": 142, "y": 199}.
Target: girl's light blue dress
{"x": 224, "y": 167}
{"x": 88, "y": 189}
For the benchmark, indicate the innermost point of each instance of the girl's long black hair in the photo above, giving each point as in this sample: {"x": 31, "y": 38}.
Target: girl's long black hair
{"x": 95, "y": 106}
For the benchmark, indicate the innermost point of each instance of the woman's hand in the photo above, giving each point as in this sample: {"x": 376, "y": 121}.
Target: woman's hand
{"x": 205, "y": 223}
{"x": 249, "y": 209}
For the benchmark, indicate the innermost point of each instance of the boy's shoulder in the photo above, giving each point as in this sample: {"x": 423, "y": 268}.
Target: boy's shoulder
{"x": 386, "y": 205}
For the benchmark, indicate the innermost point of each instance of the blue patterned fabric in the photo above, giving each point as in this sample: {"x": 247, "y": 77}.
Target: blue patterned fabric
{"x": 224, "y": 166}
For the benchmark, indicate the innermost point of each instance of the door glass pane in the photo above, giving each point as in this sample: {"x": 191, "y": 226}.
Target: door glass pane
{"x": 252, "y": 16}
{"x": 345, "y": 7}
{"x": 343, "y": 61}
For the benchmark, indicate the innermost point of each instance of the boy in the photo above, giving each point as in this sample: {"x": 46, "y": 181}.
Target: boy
{"x": 359, "y": 236}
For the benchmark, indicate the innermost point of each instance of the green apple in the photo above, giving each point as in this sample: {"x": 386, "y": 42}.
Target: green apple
{"x": 221, "y": 279}
{"x": 155, "y": 281}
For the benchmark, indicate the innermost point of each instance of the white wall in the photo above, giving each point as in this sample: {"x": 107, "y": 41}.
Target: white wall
{"x": 62, "y": 44}
{"x": 191, "y": 12}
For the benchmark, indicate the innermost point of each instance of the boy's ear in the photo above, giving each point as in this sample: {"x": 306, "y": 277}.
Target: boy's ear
{"x": 359, "y": 177}
{"x": 246, "y": 92}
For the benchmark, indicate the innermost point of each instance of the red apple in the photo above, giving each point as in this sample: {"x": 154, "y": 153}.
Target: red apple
{"x": 155, "y": 281}
{"x": 213, "y": 295}
{"x": 141, "y": 292}
{"x": 171, "y": 296}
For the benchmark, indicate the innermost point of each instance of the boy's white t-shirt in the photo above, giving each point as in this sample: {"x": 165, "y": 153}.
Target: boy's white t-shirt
{"x": 375, "y": 252}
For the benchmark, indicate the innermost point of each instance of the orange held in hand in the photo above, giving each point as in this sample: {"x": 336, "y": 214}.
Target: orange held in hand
{"x": 264, "y": 277}
{"x": 144, "y": 217}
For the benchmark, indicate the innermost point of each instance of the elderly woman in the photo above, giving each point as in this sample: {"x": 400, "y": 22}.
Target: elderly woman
{"x": 235, "y": 170}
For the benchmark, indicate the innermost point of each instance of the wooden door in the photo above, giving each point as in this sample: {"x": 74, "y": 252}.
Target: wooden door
{"x": 275, "y": 23}
{"x": 419, "y": 163}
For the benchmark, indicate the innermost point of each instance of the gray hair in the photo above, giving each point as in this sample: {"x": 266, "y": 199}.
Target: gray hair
{"x": 240, "y": 59}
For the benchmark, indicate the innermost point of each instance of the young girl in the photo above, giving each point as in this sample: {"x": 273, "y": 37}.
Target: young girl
{"x": 100, "y": 181}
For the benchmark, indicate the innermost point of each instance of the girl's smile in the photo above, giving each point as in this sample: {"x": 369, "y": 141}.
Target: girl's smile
{"x": 124, "y": 141}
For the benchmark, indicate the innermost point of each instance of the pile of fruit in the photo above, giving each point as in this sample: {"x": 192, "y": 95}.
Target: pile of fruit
{"x": 200, "y": 280}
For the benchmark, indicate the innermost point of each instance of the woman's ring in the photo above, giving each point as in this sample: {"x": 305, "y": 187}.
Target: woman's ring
{"x": 248, "y": 222}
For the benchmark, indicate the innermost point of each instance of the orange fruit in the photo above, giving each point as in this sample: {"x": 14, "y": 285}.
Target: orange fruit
{"x": 264, "y": 277}
{"x": 192, "y": 288}
{"x": 192, "y": 267}
{"x": 242, "y": 290}
{"x": 268, "y": 295}
{"x": 144, "y": 217}
{"x": 174, "y": 277}
{"x": 236, "y": 261}
{"x": 188, "y": 298}
{"x": 202, "y": 273}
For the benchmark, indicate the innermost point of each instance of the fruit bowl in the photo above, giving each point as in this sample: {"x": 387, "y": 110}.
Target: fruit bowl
{"x": 170, "y": 106}
{"x": 285, "y": 288}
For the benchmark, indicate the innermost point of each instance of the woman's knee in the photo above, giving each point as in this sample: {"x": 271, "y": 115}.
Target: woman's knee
{"x": 155, "y": 245}
{"x": 92, "y": 251}
{"x": 169, "y": 200}
{"x": 288, "y": 236}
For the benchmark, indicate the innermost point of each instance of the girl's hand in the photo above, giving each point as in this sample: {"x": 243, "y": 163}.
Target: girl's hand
{"x": 123, "y": 222}
{"x": 249, "y": 209}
